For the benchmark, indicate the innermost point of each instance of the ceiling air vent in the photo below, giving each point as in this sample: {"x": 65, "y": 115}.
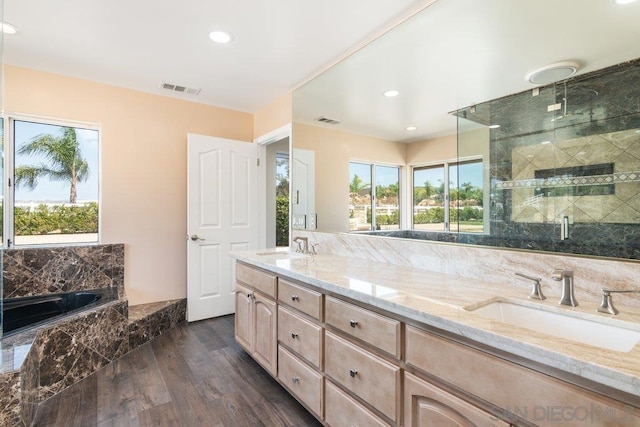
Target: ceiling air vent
{"x": 178, "y": 88}
{"x": 327, "y": 120}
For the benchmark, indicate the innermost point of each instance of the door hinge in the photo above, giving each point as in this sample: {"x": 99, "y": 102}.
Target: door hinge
{"x": 257, "y": 162}
{"x": 9, "y": 182}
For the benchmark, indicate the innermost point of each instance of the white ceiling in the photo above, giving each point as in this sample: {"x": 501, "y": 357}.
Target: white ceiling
{"x": 457, "y": 53}
{"x": 139, "y": 43}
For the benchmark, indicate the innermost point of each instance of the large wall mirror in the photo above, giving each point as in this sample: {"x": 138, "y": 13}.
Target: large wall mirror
{"x": 433, "y": 130}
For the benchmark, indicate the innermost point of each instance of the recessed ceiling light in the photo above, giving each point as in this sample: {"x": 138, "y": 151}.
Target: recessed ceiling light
{"x": 545, "y": 142}
{"x": 621, "y": 2}
{"x": 391, "y": 93}
{"x": 411, "y": 128}
{"x": 553, "y": 72}
{"x": 7, "y": 28}
{"x": 494, "y": 126}
{"x": 221, "y": 37}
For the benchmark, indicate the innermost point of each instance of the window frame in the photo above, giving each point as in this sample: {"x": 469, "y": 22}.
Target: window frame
{"x": 445, "y": 164}
{"x": 372, "y": 169}
{"x": 8, "y": 184}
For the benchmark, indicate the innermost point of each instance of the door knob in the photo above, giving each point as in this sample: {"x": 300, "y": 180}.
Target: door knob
{"x": 195, "y": 237}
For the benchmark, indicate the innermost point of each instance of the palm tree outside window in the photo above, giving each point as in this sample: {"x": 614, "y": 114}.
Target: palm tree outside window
{"x": 53, "y": 195}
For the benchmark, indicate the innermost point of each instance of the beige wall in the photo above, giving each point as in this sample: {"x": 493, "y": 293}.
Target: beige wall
{"x": 144, "y": 147}
{"x": 274, "y": 116}
{"x": 432, "y": 150}
{"x": 333, "y": 151}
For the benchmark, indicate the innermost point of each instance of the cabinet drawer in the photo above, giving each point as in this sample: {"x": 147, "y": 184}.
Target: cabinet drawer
{"x": 257, "y": 279}
{"x": 365, "y": 374}
{"x": 375, "y": 329}
{"x": 302, "y": 381}
{"x": 342, "y": 410}
{"x": 305, "y": 300}
{"x": 300, "y": 335}
{"x": 505, "y": 384}
{"x": 426, "y": 404}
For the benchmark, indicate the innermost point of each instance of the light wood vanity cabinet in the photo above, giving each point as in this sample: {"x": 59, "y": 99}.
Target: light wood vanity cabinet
{"x": 302, "y": 299}
{"x": 369, "y": 377}
{"x": 304, "y": 382}
{"x": 427, "y": 405}
{"x": 343, "y": 410}
{"x": 256, "y": 316}
{"x": 380, "y": 331}
{"x": 300, "y": 335}
{"x": 353, "y": 366}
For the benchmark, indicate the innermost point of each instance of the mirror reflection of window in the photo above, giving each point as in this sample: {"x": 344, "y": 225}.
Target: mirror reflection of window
{"x": 369, "y": 210}
{"x": 449, "y": 197}
{"x": 466, "y": 192}
{"x": 429, "y": 198}
{"x": 387, "y": 200}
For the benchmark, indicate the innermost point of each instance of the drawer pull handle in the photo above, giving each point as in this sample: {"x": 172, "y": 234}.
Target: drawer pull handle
{"x": 353, "y": 323}
{"x": 353, "y": 372}
{"x": 294, "y": 335}
{"x": 294, "y": 298}
{"x": 295, "y": 380}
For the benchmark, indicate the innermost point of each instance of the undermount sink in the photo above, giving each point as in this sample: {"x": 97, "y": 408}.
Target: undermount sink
{"x": 561, "y": 325}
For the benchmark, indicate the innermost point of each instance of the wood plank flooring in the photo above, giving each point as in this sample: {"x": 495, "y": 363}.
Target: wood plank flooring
{"x": 194, "y": 375}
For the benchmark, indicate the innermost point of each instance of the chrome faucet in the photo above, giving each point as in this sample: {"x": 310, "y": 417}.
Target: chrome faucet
{"x": 606, "y": 306}
{"x": 304, "y": 248}
{"x": 566, "y": 277}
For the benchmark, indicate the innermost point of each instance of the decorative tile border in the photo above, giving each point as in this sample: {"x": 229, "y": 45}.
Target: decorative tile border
{"x": 615, "y": 178}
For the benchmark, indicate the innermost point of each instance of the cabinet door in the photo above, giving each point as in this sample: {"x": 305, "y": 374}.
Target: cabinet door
{"x": 244, "y": 325}
{"x": 265, "y": 334}
{"x": 428, "y": 405}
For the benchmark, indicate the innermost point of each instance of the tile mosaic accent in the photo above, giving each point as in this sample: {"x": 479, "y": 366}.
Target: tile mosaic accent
{"x": 37, "y": 271}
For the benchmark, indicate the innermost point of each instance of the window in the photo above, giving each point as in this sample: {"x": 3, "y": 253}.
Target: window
{"x": 52, "y": 188}
{"x": 448, "y": 197}
{"x": 371, "y": 209}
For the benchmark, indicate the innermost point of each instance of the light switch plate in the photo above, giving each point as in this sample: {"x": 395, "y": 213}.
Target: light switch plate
{"x": 298, "y": 221}
{"x": 312, "y": 222}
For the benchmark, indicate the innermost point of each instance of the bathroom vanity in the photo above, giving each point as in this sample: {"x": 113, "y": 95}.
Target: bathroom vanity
{"x": 371, "y": 344}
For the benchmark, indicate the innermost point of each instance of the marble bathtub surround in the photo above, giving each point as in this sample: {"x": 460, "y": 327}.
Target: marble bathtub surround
{"x": 39, "y": 364}
{"x": 37, "y": 271}
{"x": 147, "y": 321}
{"x": 70, "y": 351}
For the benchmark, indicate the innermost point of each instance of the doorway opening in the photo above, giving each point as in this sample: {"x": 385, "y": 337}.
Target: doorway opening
{"x": 282, "y": 198}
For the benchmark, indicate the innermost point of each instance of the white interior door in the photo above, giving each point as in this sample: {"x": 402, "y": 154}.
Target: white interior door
{"x": 303, "y": 176}
{"x": 222, "y": 216}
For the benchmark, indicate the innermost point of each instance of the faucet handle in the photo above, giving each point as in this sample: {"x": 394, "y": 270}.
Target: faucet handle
{"x": 536, "y": 290}
{"x": 606, "y": 306}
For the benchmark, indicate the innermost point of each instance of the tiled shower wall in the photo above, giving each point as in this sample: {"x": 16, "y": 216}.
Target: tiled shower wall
{"x": 584, "y": 122}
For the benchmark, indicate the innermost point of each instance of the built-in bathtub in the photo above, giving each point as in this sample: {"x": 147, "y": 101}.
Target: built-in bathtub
{"x": 22, "y": 314}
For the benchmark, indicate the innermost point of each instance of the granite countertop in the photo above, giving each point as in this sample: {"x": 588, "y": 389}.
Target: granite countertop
{"x": 439, "y": 300}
